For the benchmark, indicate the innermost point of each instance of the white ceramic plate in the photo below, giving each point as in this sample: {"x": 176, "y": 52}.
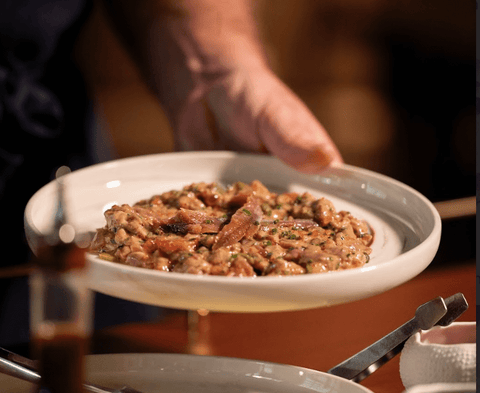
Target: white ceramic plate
{"x": 172, "y": 373}
{"x": 407, "y": 230}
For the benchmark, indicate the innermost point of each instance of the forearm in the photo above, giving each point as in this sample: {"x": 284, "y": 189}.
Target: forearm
{"x": 185, "y": 43}
{"x": 218, "y": 30}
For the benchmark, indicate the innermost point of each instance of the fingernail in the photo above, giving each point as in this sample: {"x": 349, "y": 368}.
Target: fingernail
{"x": 316, "y": 160}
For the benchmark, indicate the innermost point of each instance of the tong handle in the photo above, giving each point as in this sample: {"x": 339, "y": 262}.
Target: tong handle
{"x": 368, "y": 360}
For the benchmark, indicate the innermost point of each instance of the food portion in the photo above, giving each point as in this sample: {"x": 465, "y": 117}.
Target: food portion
{"x": 241, "y": 230}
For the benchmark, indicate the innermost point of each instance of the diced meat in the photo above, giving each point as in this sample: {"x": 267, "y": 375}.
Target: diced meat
{"x": 323, "y": 211}
{"x": 172, "y": 244}
{"x": 244, "y": 230}
{"x": 193, "y": 264}
{"x": 244, "y": 223}
{"x": 240, "y": 267}
{"x": 193, "y": 221}
{"x": 282, "y": 267}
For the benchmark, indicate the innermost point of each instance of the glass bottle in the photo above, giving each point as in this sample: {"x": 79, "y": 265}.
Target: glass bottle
{"x": 60, "y": 306}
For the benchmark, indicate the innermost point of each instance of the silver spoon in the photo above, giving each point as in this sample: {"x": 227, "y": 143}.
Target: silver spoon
{"x": 440, "y": 312}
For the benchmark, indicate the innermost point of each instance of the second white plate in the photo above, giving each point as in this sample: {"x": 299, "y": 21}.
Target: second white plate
{"x": 171, "y": 373}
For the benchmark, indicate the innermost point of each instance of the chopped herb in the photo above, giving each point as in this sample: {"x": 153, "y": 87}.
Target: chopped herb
{"x": 247, "y": 212}
{"x": 256, "y": 223}
{"x": 266, "y": 209}
{"x": 268, "y": 243}
{"x": 274, "y": 230}
{"x": 276, "y": 221}
{"x": 208, "y": 221}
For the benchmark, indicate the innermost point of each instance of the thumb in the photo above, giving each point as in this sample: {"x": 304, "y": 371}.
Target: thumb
{"x": 291, "y": 132}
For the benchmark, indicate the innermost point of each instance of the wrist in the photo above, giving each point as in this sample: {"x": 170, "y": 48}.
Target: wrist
{"x": 183, "y": 47}
{"x": 192, "y": 61}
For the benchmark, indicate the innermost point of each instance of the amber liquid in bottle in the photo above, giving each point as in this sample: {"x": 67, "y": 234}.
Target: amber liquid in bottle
{"x": 61, "y": 318}
{"x": 61, "y": 363}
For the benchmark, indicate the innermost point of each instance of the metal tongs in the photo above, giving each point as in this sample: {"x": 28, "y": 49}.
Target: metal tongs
{"x": 436, "y": 312}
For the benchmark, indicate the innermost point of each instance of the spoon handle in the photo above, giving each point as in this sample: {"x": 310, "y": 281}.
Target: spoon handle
{"x": 17, "y": 370}
{"x": 19, "y": 367}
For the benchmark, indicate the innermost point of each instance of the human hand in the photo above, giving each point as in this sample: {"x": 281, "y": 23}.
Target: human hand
{"x": 252, "y": 110}
{"x": 205, "y": 64}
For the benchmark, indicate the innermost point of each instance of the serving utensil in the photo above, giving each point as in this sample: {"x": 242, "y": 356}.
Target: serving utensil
{"x": 436, "y": 312}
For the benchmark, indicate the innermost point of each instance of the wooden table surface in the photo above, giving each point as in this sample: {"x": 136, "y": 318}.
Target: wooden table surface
{"x": 317, "y": 339}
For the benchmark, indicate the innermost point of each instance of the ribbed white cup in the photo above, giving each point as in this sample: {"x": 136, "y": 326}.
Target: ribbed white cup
{"x": 440, "y": 355}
